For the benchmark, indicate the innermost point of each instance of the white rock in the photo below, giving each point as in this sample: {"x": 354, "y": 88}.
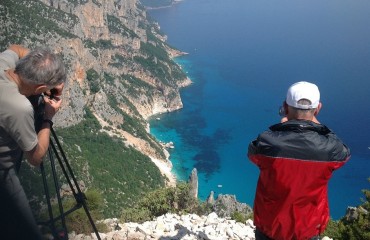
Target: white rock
{"x": 142, "y": 230}
{"x": 326, "y": 238}
{"x": 160, "y": 226}
{"x": 116, "y": 236}
{"x": 229, "y": 232}
{"x": 250, "y": 223}
{"x": 211, "y": 218}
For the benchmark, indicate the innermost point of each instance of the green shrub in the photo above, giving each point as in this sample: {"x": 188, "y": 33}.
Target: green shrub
{"x": 77, "y": 220}
{"x": 359, "y": 228}
{"x": 136, "y": 214}
{"x": 156, "y": 203}
{"x": 239, "y": 217}
{"x": 92, "y": 77}
{"x": 348, "y": 229}
{"x": 332, "y": 230}
{"x": 116, "y": 26}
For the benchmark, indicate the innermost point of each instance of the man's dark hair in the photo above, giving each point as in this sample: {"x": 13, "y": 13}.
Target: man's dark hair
{"x": 303, "y": 112}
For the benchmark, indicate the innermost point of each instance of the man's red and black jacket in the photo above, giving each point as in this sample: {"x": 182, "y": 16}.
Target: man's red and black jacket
{"x": 296, "y": 160}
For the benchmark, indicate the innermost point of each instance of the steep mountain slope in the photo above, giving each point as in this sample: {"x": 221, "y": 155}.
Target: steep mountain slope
{"x": 120, "y": 72}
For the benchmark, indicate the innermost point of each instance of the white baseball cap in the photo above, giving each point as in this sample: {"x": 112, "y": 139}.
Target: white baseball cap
{"x": 303, "y": 90}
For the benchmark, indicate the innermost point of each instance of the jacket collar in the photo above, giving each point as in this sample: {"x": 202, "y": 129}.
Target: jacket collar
{"x": 300, "y": 126}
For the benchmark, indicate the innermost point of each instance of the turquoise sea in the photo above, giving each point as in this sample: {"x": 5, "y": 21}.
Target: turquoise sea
{"x": 243, "y": 55}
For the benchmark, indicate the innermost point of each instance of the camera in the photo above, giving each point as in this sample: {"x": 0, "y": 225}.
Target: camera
{"x": 52, "y": 94}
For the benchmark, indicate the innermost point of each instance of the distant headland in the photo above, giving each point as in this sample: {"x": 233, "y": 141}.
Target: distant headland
{"x": 157, "y": 4}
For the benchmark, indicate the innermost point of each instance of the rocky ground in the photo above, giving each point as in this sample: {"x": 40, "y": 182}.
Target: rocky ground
{"x": 173, "y": 227}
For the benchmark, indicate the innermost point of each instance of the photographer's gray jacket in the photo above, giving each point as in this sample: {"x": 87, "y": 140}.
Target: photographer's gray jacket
{"x": 17, "y": 132}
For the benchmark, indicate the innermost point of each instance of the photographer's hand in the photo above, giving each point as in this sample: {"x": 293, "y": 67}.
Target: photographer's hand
{"x": 284, "y": 119}
{"x": 53, "y": 101}
{"x": 51, "y": 106}
{"x": 19, "y": 50}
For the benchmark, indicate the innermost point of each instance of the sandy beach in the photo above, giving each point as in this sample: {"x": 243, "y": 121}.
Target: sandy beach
{"x": 165, "y": 169}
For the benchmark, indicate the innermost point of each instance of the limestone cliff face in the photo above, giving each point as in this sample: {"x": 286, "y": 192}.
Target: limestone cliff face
{"x": 111, "y": 51}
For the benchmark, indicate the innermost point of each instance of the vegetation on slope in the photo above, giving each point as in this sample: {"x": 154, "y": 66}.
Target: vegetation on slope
{"x": 352, "y": 227}
{"x": 33, "y": 21}
{"x": 122, "y": 174}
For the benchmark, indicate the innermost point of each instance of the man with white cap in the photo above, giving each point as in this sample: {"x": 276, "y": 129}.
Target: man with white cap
{"x": 296, "y": 159}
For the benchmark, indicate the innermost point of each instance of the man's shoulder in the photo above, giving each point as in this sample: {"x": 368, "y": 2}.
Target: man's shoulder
{"x": 300, "y": 126}
{"x": 12, "y": 101}
{"x": 8, "y": 58}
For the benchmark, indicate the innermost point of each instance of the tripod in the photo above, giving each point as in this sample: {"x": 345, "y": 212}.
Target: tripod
{"x": 55, "y": 149}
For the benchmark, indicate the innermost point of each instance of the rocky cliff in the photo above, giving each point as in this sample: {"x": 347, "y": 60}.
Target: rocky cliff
{"x": 120, "y": 72}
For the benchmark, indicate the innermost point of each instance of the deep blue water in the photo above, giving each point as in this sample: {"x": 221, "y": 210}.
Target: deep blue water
{"x": 243, "y": 55}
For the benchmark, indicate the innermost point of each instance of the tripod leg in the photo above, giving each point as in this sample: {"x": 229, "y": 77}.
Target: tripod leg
{"x": 50, "y": 223}
{"x": 79, "y": 196}
{"x": 56, "y": 186}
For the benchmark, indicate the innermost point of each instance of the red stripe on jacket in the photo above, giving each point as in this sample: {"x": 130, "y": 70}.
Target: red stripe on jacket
{"x": 297, "y": 200}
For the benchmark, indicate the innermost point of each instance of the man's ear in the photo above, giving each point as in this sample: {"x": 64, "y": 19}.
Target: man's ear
{"x": 286, "y": 108}
{"x": 40, "y": 89}
{"x": 318, "y": 109}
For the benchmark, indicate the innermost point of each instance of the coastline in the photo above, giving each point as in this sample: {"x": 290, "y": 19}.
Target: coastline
{"x": 165, "y": 168}
{"x": 155, "y": 8}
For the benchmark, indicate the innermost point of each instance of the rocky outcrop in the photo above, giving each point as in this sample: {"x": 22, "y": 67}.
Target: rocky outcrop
{"x": 193, "y": 184}
{"x": 211, "y": 198}
{"x": 226, "y": 205}
{"x": 352, "y": 213}
{"x": 174, "y": 227}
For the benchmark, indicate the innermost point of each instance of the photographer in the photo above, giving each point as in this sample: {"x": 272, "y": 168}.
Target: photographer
{"x": 24, "y": 73}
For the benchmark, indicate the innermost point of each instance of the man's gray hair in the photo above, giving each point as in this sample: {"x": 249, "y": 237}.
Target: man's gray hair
{"x": 41, "y": 66}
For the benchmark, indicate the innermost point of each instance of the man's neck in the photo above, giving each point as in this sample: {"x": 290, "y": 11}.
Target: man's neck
{"x": 311, "y": 118}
